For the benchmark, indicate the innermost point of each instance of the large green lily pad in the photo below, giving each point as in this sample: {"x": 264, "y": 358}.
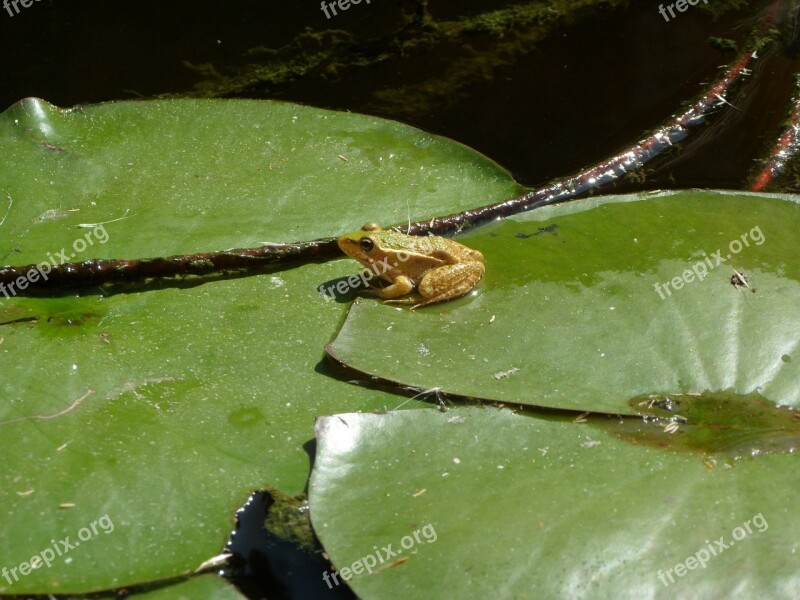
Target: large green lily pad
{"x": 480, "y": 502}
{"x": 569, "y": 314}
{"x": 163, "y": 410}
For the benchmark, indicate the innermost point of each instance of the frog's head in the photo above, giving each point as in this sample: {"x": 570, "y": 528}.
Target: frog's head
{"x": 368, "y": 245}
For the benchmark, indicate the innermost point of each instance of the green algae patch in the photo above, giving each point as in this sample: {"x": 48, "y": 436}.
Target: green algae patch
{"x": 722, "y": 423}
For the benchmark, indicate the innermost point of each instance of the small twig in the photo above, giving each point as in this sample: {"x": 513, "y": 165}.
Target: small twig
{"x": 214, "y": 563}
{"x": 94, "y": 225}
{"x": 61, "y": 413}
{"x": 8, "y": 212}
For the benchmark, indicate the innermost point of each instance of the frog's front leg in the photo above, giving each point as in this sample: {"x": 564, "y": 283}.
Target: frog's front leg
{"x": 401, "y": 286}
{"x": 449, "y": 281}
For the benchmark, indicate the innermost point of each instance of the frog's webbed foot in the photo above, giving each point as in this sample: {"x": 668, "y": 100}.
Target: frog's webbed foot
{"x": 410, "y": 300}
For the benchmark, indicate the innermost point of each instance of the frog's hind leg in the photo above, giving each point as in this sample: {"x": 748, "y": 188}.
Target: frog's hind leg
{"x": 449, "y": 281}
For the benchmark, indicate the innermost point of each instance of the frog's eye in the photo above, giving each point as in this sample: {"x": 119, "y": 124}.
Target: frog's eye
{"x": 367, "y": 245}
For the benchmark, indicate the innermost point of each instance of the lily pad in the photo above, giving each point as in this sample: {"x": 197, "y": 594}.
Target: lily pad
{"x": 588, "y": 305}
{"x": 161, "y": 411}
{"x": 481, "y": 502}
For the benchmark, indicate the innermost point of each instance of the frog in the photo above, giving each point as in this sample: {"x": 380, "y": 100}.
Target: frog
{"x": 437, "y": 268}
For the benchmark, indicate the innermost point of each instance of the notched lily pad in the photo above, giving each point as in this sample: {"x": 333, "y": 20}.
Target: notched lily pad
{"x": 588, "y": 304}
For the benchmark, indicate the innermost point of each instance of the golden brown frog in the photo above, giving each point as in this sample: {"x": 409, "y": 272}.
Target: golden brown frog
{"x": 439, "y": 268}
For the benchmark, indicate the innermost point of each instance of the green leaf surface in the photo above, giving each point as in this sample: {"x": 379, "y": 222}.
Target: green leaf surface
{"x": 258, "y": 170}
{"x": 569, "y": 316}
{"x": 163, "y": 410}
{"x": 512, "y": 506}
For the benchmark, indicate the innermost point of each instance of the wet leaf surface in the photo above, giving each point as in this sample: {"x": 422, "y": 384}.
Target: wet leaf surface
{"x": 587, "y": 305}
{"x": 480, "y": 502}
{"x": 163, "y": 410}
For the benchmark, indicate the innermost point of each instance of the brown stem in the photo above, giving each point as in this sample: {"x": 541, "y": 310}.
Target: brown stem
{"x": 102, "y": 271}
{"x": 784, "y": 150}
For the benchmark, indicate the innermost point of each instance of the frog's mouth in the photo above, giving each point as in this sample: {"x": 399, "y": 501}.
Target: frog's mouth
{"x": 347, "y": 244}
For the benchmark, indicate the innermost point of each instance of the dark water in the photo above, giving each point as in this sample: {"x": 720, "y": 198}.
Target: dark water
{"x": 581, "y": 94}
